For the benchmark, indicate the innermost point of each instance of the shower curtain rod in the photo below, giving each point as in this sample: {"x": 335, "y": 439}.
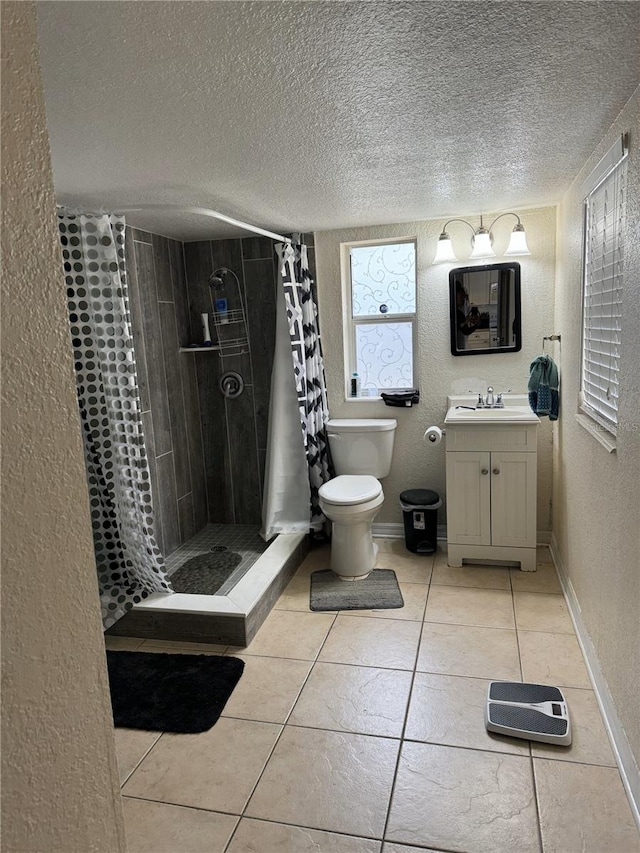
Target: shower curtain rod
{"x": 204, "y": 211}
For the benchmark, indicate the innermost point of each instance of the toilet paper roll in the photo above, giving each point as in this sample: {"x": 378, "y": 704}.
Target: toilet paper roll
{"x": 433, "y": 434}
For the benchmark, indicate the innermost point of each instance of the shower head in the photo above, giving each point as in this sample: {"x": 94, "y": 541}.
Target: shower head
{"x": 217, "y": 278}
{"x": 216, "y": 281}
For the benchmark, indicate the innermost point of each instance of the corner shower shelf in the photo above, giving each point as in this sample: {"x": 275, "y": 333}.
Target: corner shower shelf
{"x": 237, "y": 346}
{"x": 199, "y": 349}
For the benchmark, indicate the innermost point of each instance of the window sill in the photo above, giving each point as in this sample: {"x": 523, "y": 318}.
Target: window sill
{"x": 606, "y": 439}
{"x": 363, "y": 399}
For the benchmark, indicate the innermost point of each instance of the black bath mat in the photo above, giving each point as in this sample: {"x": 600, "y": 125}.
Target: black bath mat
{"x": 170, "y": 693}
{"x": 206, "y": 573}
{"x": 378, "y": 591}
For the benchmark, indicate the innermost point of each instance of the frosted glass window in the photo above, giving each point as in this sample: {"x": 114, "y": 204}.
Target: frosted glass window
{"x": 384, "y": 355}
{"x": 380, "y": 296}
{"x": 383, "y": 279}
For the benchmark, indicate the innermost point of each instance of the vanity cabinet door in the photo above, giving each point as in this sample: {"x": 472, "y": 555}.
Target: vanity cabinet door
{"x": 469, "y": 497}
{"x": 513, "y": 499}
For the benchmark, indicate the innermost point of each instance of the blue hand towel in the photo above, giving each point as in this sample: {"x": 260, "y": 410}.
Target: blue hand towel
{"x": 543, "y": 387}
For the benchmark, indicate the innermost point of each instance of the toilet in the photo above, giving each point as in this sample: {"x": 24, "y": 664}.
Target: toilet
{"x": 361, "y": 449}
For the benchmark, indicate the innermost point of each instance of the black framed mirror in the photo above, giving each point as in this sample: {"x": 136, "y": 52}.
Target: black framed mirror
{"x": 485, "y": 309}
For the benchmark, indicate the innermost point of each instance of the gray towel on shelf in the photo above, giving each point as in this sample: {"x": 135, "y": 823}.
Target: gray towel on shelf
{"x": 543, "y": 387}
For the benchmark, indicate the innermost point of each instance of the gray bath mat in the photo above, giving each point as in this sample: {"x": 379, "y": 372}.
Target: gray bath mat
{"x": 378, "y": 591}
{"x": 206, "y": 573}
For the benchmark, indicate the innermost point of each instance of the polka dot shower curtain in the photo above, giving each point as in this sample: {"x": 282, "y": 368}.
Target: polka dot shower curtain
{"x": 128, "y": 560}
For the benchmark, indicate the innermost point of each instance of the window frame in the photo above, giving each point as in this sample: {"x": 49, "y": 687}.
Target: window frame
{"x": 350, "y": 322}
{"x": 609, "y": 167}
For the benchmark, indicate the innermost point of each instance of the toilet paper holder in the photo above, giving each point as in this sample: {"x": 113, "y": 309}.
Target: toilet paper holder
{"x": 434, "y": 434}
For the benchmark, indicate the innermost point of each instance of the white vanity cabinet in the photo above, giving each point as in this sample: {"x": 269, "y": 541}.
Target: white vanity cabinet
{"x": 491, "y": 469}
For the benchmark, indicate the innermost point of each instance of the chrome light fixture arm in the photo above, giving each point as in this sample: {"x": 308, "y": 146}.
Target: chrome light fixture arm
{"x": 444, "y": 251}
{"x": 519, "y": 225}
{"x": 444, "y": 234}
{"x": 518, "y": 241}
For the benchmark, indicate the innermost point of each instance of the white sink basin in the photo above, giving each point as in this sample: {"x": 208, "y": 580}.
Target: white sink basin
{"x": 508, "y": 415}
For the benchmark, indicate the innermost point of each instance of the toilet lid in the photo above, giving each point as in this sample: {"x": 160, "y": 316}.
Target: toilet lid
{"x": 350, "y": 489}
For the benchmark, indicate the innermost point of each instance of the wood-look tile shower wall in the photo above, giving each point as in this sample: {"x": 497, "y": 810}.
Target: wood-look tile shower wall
{"x": 235, "y": 430}
{"x": 168, "y": 386}
{"x": 207, "y": 453}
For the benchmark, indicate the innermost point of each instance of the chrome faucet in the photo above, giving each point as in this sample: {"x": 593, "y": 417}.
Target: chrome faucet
{"x": 491, "y": 401}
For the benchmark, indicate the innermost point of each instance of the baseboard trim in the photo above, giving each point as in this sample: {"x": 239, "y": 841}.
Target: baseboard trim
{"x": 622, "y": 750}
{"x": 395, "y": 530}
{"x": 390, "y": 530}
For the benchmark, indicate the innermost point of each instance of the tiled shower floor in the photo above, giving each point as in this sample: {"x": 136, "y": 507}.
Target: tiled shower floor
{"x": 243, "y": 539}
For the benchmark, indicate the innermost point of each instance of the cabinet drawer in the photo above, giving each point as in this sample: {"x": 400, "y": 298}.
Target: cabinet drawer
{"x": 492, "y": 437}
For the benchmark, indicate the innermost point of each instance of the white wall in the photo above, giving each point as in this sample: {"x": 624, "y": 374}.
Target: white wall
{"x": 417, "y": 464}
{"x": 596, "y": 501}
{"x": 60, "y": 786}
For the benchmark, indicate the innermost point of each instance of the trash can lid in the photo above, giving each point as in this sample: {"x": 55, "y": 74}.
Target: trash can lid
{"x": 419, "y": 497}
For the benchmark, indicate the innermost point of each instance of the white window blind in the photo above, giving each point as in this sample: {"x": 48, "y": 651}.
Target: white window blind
{"x": 602, "y": 306}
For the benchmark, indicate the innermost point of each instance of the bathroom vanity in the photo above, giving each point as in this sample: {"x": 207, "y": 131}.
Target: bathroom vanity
{"x": 491, "y": 471}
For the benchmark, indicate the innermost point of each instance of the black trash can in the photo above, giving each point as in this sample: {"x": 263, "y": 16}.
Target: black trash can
{"x": 420, "y": 510}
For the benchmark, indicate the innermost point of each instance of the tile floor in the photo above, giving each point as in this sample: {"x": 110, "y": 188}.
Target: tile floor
{"x": 363, "y": 732}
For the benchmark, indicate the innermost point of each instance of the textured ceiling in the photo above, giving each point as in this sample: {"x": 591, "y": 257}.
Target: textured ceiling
{"x": 309, "y": 116}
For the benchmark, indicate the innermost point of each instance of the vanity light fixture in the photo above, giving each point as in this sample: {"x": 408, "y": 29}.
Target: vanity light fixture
{"x": 482, "y": 241}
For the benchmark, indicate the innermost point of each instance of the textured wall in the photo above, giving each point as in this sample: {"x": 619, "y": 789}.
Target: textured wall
{"x": 596, "y": 516}
{"x": 168, "y": 388}
{"x": 60, "y": 783}
{"x": 415, "y": 463}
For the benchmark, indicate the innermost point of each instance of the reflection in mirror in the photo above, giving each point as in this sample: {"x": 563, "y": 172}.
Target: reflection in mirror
{"x": 485, "y": 309}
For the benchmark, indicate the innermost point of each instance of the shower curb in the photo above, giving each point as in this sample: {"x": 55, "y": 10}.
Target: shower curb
{"x": 239, "y": 615}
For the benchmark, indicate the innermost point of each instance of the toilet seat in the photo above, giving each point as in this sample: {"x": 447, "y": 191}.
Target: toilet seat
{"x": 350, "y": 490}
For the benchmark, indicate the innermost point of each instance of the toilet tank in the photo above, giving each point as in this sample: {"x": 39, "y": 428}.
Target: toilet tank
{"x": 362, "y": 445}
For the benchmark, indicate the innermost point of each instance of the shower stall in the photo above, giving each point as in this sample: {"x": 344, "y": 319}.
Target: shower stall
{"x": 205, "y": 411}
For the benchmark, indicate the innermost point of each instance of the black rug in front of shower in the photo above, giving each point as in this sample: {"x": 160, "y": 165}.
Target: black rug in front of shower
{"x": 378, "y": 591}
{"x": 206, "y": 573}
{"x": 170, "y": 693}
